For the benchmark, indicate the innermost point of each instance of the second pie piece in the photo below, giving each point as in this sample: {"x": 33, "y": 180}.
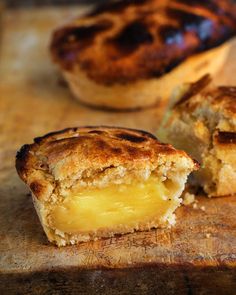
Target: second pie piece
{"x": 203, "y": 123}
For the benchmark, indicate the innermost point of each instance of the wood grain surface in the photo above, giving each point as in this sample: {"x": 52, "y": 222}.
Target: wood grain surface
{"x": 198, "y": 256}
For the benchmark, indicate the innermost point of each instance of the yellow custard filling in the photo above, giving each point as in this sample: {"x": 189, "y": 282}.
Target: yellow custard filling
{"x": 116, "y": 205}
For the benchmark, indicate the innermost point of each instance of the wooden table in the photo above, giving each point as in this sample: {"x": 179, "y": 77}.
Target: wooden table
{"x": 198, "y": 256}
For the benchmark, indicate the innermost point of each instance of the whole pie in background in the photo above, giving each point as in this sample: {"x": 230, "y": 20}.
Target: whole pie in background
{"x": 131, "y": 54}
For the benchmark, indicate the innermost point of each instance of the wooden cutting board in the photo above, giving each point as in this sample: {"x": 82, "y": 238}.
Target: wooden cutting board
{"x": 198, "y": 256}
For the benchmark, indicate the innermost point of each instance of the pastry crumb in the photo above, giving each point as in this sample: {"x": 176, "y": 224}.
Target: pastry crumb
{"x": 203, "y": 208}
{"x": 195, "y": 206}
{"x": 188, "y": 199}
{"x": 208, "y": 235}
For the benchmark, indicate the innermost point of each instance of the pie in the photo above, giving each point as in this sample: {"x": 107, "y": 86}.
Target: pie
{"x": 96, "y": 182}
{"x": 131, "y": 54}
{"x": 202, "y": 121}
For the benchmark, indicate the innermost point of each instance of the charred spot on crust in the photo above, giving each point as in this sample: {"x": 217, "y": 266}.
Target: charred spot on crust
{"x": 22, "y": 153}
{"x": 116, "y": 151}
{"x": 97, "y": 132}
{"x": 115, "y": 7}
{"x": 131, "y": 37}
{"x": 171, "y": 35}
{"x": 101, "y": 144}
{"x": 88, "y": 32}
{"x": 21, "y": 159}
{"x": 145, "y": 133}
{"x": 210, "y": 31}
{"x": 226, "y": 137}
{"x": 137, "y": 131}
{"x": 195, "y": 88}
{"x": 131, "y": 137}
{"x": 201, "y": 26}
{"x": 228, "y": 90}
{"x": 223, "y": 8}
{"x": 36, "y": 187}
{"x": 68, "y": 41}
{"x": 133, "y": 151}
{"x": 38, "y": 140}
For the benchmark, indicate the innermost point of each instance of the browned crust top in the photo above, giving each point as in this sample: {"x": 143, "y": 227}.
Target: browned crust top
{"x": 94, "y": 148}
{"x": 129, "y": 40}
{"x": 226, "y": 137}
{"x": 222, "y": 98}
{"x": 194, "y": 88}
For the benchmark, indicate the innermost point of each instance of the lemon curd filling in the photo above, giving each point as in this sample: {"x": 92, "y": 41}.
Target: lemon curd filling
{"x": 116, "y": 205}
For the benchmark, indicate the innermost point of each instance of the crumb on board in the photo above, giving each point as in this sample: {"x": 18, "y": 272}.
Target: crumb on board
{"x": 208, "y": 235}
{"x": 195, "y": 206}
{"x": 189, "y": 199}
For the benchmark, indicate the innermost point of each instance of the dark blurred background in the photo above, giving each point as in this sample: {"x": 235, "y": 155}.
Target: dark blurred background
{"x": 20, "y": 3}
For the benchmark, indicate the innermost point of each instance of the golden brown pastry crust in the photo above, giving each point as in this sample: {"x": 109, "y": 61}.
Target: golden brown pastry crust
{"x": 222, "y": 98}
{"x": 62, "y": 154}
{"x": 127, "y": 41}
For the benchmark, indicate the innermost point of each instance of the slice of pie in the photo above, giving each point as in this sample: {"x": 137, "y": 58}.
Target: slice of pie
{"x": 94, "y": 182}
{"x": 203, "y": 123}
